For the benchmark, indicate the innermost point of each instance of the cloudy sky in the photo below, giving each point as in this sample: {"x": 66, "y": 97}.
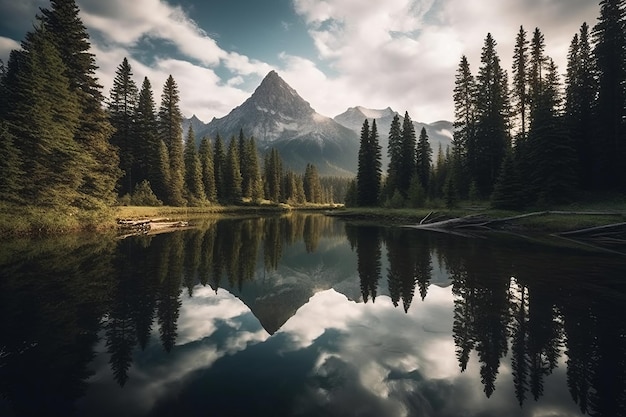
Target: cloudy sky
{"x": 335, "y": 53}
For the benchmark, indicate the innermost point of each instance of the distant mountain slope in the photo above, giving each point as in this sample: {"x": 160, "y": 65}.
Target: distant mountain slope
{"x": 439, "y": 133}
{"x": 278, "y": 117}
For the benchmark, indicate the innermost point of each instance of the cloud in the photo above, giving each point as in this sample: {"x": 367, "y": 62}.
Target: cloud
{"x": 6, "y": 46}
{"x": 404, "y": 53}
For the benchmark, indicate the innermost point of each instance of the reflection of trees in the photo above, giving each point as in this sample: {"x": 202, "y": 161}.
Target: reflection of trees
{"x": 366, "y": 241}
{"x": 52, "y": 296}
{"x": 168, "y": 294}
{"x": 410, "y": 264}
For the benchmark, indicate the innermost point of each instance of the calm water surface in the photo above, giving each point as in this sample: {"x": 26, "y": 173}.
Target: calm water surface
{"x": 304, "y": 315}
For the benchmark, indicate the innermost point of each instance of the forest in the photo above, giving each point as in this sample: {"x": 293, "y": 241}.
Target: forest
{"x": 65, "y": 145}
{"x": 521, "y": 141}
{"x": 528, "y": 140}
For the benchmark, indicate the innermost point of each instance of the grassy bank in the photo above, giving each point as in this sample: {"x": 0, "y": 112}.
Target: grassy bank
{"x": 557, "y": 219}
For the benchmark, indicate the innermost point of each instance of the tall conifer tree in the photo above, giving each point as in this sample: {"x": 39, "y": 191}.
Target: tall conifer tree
{"x": 194, "y": 186}
{"x": 171, "y": 132}
{"x": 609, "y": 36}
{"x": 519, "y": 92}
{"x": 205, "y": 154}
{"x": 146, "y": 137}
{"x": 99, "y": 165}
{"x": 122, "y": 111}
{"x": 394, "y": 151}
{"x": 219, "y": 165}
{"x": 423, "y": 159}
{"x": 407, "y": 165}
{"x": 232, "y": 173}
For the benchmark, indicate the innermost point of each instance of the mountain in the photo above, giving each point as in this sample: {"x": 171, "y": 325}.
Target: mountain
{"x": 439, "y": 133}
{"x": 278, "y": 117}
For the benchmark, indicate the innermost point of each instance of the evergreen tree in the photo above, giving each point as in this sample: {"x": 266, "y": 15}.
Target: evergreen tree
{"x": 311, "y": 184}
{"x": 219, "y": 165}
{"x": 394, "y": 151}
{"x": 519, "y": 92}
{"x": 492, "y": 137}
{"x": 161, "y": 185}
{"x": 464, "y": 137}
{"x": 423, "y": 159}
{"x": 407, "y": 164}
{"x": 232, "y": 174}
{"x": 369, "y": 169}
{"x": 553, "y": 175}
{"x": 253, "y": 170}
{"x": 205, "y": 154}
{"x": 609, "y": 36}
{"x": 194, "y": 186}
{"x": 507, "y": 193}
{"x": 580, "y": 92}
{"x": 99, "y": 159}
{"x": 538, "y": 61}
{"x": 43, "y": 116}
{"x": 122, "y": 110}
{"x": 171, "y": 132}
{"x": 147, "y": 162}
{"x": 273, "y": 176}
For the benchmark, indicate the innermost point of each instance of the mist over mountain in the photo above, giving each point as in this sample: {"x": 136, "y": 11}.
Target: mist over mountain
{"x": 439, "y": 133}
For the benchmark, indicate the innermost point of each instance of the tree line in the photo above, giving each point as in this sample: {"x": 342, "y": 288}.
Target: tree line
{"x": 531, "y": 141}
{"x": 63, "y": 144}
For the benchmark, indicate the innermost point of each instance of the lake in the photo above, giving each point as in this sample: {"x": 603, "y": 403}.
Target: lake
{"x": 307, "y": 315}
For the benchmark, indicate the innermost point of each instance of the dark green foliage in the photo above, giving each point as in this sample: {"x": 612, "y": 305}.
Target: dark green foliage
{"x": 171, "y": 132}
{"x": 147, "y": 164}
{"x": 252, "y": 186}
{"x": 194, "y": 187}
{"x": 464, "y": 138}
{"x": 492, "y": 106}
{"x": 417, "y": 194}
{"x": 273, "y": 172}
{"x": 100, "y": 162}
{"x": 232, "y": 174}
{"x": 507, "y": 193}
{"x": 311, "y": 185}
{"x": 519, "y": 92}
{"x": 394, "y": 151}
{"x": 219, "y": 165}
{"x": 351, "y": 197}
{"x": 609, "y": 36}
{"x": 43, "y": 119}
{"x": 143, "y": 195}
{"x": 294, "y": 188}
{"x": 407, "y": 165}
{"x": 580, "y": 92}
{"x": 122, "y": 111}
{"x": 423, "y": 159}
{"x": 368, "y": 179}
{"x": 205, "y": 154}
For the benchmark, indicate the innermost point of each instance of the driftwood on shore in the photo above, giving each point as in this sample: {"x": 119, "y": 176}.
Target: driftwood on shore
{"x": 613, "y": 235}
{"x": 130, "y": 227}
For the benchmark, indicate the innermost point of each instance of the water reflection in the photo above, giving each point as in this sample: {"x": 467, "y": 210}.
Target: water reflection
{"x": 304, "y": 315}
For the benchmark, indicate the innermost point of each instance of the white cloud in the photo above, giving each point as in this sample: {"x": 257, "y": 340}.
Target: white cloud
{"x": 6, "y": 46}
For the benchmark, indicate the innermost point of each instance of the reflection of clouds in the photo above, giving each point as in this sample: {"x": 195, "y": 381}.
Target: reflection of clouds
{"x": 155, "y": 376}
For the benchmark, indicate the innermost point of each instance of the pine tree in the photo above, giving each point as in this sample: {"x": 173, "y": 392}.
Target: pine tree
{"x": 205, "y": 154}
{"x": 508, "y": 191}
{"x": 609, "y": 36}
{"x": 232, "y": 174}
{"x": 407, "y": 165}
{"x": 253, "y": 170}
{"x": 273, "y": 176}
{"x": 519, "y": 92}
{"x": 464, "y": 137}
{"x": 219, "y": 165}
{"x": 146, "y": 137}
{"x": 311, "y": 184}
{"x": 161, "y": 184}
{"x": 492, "y": 136}
{"x": 423, "y": 159}
{"x": 99, "y": 159}
{"x": 171, "y": 132}
{"x": 394, "y": 151}
{"x": 368, "y": 178}
{"x": 122, "y": 110}
{"x": 194, "y": 187}
{"x": 553, "y": 175}
{"x": 43, "y": 117}
{"x": 580, "y": 92}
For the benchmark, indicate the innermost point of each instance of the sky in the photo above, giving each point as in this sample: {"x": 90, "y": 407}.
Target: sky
{"x": 336, "y": 54}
